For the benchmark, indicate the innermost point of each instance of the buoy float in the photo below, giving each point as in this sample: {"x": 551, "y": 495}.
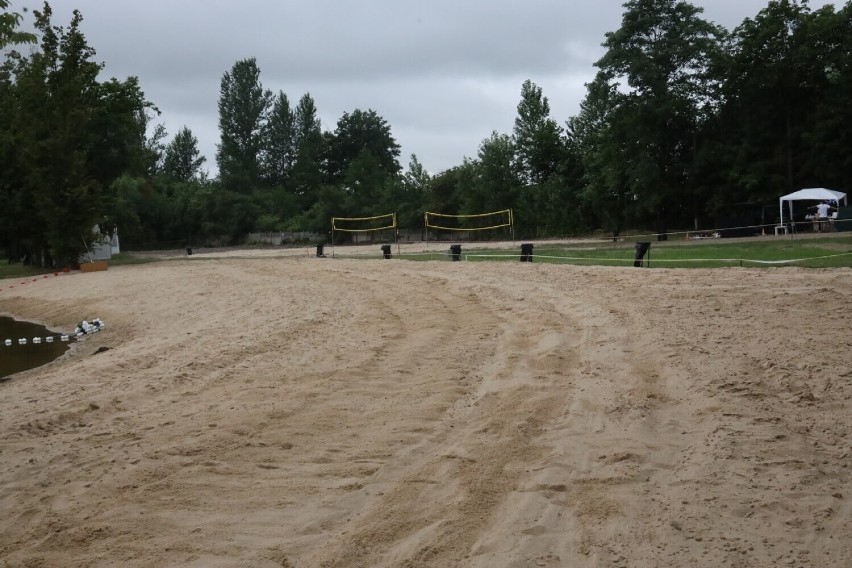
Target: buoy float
{"x": 49, "y": 339}
{"x": 36, "y": 339}
{"x": 8, "y": 342}
{"x": 22, "y": 341}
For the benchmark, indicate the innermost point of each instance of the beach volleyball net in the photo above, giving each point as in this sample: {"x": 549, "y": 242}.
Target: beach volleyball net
{"x": 379, "y": 228}
{"x": 479, "y": 226}
{"x": 385, "y": 222}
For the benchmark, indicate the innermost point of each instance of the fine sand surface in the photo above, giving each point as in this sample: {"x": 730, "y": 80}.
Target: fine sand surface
{"x": 256, "y": 410}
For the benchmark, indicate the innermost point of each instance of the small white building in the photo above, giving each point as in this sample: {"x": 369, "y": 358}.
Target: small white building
{"x": 101, "y": 248}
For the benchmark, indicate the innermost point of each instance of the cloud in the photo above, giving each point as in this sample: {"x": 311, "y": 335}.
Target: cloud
{"x": 443, "y": 73}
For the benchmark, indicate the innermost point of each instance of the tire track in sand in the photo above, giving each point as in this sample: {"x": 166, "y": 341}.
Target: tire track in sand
{"x": 432, "y": 509}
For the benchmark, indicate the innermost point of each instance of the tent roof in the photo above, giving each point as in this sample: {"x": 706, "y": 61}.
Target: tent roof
{"x": 816, "y": 194}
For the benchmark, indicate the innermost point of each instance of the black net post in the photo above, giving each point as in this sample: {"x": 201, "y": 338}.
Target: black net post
{"x": 320, "y": 246}
{"x": 527, "y": 252}
{"x": 455, "y": 252}
{"x": 641, "y": 249}
{"x": 386, "y": 251}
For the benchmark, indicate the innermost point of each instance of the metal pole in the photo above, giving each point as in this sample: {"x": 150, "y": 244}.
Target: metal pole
{"x": 426, "y": 229}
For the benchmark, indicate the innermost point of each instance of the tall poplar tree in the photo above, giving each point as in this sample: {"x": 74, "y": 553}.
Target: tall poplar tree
{"x": 279, "y": 149}
{"x": 542, "y": 156}
{"x": 306, "y": 174}
{"x": 537, "y": 137}
{"x": 243, "y": 111}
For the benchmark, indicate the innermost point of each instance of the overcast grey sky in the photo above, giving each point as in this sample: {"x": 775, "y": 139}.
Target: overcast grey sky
{"x": 443, "y": 73}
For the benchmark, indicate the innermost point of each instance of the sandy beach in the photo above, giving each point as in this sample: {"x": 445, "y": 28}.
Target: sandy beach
{"x": 261, "y": 410}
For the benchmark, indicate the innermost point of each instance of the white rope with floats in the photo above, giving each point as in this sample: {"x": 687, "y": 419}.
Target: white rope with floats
{"x": 83, "y": 328}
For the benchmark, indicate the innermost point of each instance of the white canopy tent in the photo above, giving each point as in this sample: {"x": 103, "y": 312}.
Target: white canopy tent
{"x": 812, "y": 194}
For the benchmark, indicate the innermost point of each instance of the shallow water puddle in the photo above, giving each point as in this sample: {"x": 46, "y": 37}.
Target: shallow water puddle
{"x": 15, "y": 358}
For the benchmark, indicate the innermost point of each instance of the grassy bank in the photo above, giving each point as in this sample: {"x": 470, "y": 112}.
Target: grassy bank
{"x": 20, "y": 271}
{"x": 827, "y": 252}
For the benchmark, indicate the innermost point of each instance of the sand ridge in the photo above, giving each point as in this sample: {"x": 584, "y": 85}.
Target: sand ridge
{"x": 259, "y": 410}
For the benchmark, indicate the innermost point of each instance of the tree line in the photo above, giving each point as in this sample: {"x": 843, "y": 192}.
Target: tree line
{"x": 684, "y": 123}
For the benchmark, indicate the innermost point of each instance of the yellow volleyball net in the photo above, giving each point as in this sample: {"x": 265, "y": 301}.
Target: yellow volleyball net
{"x": 365, "y": 230}
{"x": 364, "y": 224}
{"x": 495, "y": 224}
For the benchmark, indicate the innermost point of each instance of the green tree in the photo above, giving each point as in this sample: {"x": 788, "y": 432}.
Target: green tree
{"x": 356, "y": 133}
{"x": 17, "y": 212}
{"x": 448, "y": 187}
{"x": 412, "y": 192}
{"x": 537, "y": 137}
{"x": 306, "y": 174}
{"x": 548, "y": 195}
{"x": 154, "y": 147}
{"x": 231, "y": 214}
{"x": 143, "y": 212}
{"x": 361, "y": 158}
{"x": 182, "y": 160}
{"x": 243, "y": 110}
{"x": 280, "y": 210}
{"x": 763, "y": 88}
{"x": 187, "y": 203}
{"x": 497, "y": 184}
{"x": 72, "y": 136}
{"x": 9, "y": 23}
{"x": 118, "y": 141}
{"x": 364, "y": 184}
{"x": 829, "y": 138}
{"x": 329, "y": 201}
{"x": 665, "y": 53}
{"x": 592, "y": 136}
{"x": 279, "y": 149}
{"x": 787, "y": 104}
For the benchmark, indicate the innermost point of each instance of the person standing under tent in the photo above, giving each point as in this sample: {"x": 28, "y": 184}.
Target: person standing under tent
{"x": 822, "y": 213}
